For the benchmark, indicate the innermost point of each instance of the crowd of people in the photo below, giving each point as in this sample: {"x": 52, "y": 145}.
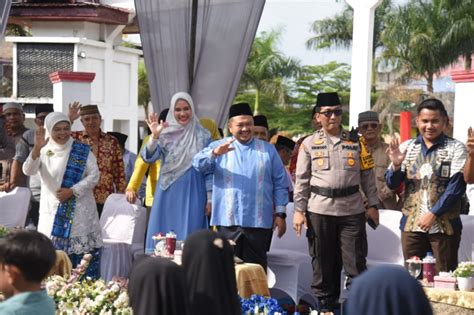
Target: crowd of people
{"x": 239, "y": 186}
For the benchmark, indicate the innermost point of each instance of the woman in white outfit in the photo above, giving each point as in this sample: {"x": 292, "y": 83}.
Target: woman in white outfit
{"x": 69, "y": 173}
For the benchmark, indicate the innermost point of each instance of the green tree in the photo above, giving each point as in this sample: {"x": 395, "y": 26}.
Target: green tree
{"x": 144, "y": 96}
{"x": 413, "y": 37}
{"x": 460, "y": 30}
{"x": 295, "y": 119}
{"x": 268, "y": 70}
{"x": 337, "y": 31}
{"x": 321, "y": 78}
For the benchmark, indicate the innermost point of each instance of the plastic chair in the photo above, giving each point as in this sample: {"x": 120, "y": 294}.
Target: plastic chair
{"x": 123, "y": 231}
{"x": 14, "y": 207}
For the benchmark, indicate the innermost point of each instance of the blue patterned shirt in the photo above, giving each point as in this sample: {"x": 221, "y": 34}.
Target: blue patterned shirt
{"x": 249, "y": 183}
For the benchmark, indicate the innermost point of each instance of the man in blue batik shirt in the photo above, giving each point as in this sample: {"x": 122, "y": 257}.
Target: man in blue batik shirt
{"x": 250, "y": 187}
{"x": 431, "y": 169}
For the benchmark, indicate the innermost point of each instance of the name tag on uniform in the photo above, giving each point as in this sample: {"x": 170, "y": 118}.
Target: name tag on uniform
{"x": 445, "y": 169}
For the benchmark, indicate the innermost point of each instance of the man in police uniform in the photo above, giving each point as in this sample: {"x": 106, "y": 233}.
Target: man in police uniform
{"x": 332, "y": 163}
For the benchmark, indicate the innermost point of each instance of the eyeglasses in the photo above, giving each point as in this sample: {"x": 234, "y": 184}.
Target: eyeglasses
{"x": 328, "y": 113}
{"x": 366, "y": 126}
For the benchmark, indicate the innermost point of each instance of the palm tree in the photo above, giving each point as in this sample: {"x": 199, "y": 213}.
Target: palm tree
{"x": 460, "y": 30}
{"x": 412, "y": 40}
{"x": 144, "y": 96}
{"x": 337, "y": 31}
{"x": 268, "y": 69}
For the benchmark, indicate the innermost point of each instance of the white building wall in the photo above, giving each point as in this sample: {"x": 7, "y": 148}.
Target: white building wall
{"x": 115, "y": 87}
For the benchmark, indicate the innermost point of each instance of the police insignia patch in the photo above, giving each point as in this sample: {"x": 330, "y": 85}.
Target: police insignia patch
{"x": 318, "y": 141}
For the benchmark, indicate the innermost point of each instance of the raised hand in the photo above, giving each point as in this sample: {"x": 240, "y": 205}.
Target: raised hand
{"x": 223, "y": 148}
{"x": 470, "y": 141}
{"x": 394, "y": 154}
{"x": 74, "y": 111}
{"x": 40, "y": 137}
{"x": 40, "y": 142}
{"x": 155, "y": 126}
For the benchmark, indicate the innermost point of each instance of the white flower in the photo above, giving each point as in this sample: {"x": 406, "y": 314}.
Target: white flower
{"x": 99, "y": 299}
{"x": 115, "y": 288}
{"x": 122, "y": 300}
{"x": 51, "y": 287}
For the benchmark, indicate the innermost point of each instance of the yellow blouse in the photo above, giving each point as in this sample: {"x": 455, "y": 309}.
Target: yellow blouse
{"x": 139, "y": 172}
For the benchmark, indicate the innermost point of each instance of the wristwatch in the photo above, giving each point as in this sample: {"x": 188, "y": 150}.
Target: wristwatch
{"x": 281, "y": 215}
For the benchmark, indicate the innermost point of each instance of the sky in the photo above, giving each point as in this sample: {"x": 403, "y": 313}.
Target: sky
{"x": 295, "y": 17}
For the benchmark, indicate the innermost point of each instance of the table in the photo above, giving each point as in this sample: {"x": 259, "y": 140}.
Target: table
{"x": 251, "y": 279}
{"x": 450, "y": 302}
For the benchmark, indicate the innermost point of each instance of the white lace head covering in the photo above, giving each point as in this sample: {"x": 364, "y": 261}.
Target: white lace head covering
{"x": 180, "y": 143}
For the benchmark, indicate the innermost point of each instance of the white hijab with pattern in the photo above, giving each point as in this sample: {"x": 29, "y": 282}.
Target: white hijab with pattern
{"x": 180, "y": 143}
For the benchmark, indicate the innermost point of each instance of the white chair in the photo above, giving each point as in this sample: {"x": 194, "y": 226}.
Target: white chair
{"x": 123, "y": 232}
{"x": 14, "y": 207}
{"x": 290, "y": 264}
{"x": 466, "y": 248}
{"x": 384, "y": 243}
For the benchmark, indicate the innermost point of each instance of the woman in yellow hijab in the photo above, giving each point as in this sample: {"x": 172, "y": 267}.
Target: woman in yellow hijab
{"x": 211, "y": 126}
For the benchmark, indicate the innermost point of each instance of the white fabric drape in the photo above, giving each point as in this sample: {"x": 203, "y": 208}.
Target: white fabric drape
{"x": 224, "y": 36}
{"x": 4, "y": 12}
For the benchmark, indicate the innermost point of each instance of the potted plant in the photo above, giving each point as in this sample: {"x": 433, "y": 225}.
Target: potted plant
{"x": 464, "y": 273}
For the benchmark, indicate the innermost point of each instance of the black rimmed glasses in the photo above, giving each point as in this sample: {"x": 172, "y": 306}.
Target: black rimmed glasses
{"x": 329, "y": 113}
{"x": 369, "y": 125}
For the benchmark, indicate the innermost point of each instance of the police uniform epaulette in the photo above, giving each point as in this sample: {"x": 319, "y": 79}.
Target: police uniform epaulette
{"x": 351, "y": 136}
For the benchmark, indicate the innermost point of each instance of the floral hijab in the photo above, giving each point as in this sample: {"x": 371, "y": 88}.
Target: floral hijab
{"x": 180, "y": 143}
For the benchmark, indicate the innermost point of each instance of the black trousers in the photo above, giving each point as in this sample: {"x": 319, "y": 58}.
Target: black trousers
{"x": 100, "y": 207}
{"x": 335, "y": 242}
{"x": 444, "y": 248}
{"x": 33, "y": 213}
{"x": 252, "y": 244}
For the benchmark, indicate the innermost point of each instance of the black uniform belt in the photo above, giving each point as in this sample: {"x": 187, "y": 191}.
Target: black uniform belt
{"x": 335, "y": 193}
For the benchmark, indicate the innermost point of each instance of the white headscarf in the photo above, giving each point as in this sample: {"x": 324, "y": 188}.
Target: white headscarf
{"x": 180, "y": 143}
{"x": 60, "y": 152}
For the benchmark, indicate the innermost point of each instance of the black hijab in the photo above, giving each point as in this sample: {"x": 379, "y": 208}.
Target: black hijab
{"x": 157, "y": 286}
{"x": 387, "y": 290}
{"x": 208, "y": 263}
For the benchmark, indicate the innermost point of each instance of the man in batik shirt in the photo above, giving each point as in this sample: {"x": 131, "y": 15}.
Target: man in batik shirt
{"x": 106, "y": 149}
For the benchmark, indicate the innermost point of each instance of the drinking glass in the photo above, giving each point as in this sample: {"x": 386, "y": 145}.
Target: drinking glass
{"x": 414, "y": 268}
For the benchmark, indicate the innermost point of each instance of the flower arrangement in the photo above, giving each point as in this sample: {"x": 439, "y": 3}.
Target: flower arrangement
{"x": 3, "y": 231}
{"x": 258, "y": 304}
{"x": 73, "y": 296}
{"x": 465, "y": 269}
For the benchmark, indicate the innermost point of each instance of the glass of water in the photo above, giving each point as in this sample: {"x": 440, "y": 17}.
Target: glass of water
{"x": 414, "y": 266}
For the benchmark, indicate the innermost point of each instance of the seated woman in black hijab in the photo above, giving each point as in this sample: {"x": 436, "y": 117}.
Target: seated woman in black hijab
{"x": 387, "y": 290}
{"x": 157, "y": 286}
{"x": 208, "y": 263}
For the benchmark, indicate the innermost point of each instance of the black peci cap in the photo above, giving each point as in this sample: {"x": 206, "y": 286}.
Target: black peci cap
{"x": 240, "y": 109}
{"x": 260, "y": 120}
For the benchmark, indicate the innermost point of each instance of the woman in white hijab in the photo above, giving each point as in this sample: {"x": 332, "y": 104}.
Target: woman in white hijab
{"x": 69, "y": 173}
{"x": 180, "y": 197}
